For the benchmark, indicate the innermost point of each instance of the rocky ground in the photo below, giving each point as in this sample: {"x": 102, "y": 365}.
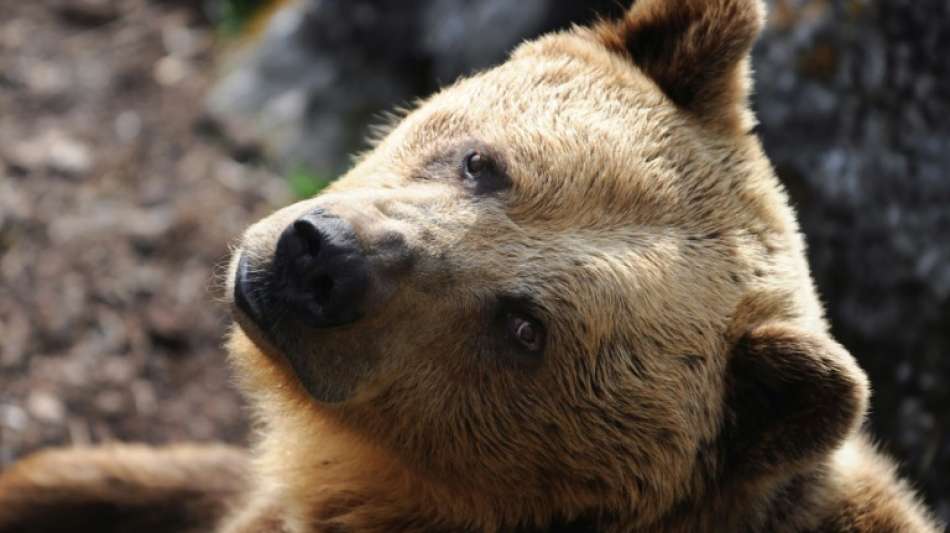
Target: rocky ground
{"x": 117, "y": 203}
{"x": 118, "y": 195}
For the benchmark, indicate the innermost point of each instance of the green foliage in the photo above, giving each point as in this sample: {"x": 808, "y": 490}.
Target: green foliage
{"x": 233, "y": 15}
{"x": 304, "y": 182}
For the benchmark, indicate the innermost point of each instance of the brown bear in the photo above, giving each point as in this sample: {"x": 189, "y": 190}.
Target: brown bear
{"x": 564, "y": 294}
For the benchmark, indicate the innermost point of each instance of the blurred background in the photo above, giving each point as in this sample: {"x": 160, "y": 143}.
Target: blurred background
{"x": 139, "y": 137}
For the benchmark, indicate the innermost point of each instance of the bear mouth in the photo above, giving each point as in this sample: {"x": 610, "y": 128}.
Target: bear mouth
{"x": 242, "y": 291}
{"x": 247, "y": 309}
{"x": 329, "y": 376}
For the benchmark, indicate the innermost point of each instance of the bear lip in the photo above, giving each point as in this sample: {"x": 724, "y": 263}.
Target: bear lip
{"x": 246, "y": 311}
{"x": 242, "y": 297}
{"x": 249, "y": 309}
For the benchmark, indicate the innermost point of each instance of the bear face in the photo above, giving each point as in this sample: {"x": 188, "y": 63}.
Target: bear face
{"x": 570, "y": 284}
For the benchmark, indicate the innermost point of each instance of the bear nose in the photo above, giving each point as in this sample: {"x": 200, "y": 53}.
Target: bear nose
{"x": 320, "y": 270}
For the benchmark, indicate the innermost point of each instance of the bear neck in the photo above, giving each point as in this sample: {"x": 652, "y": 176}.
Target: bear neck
{"x": 345, "y": 482}
{"x": 791, "y": 502}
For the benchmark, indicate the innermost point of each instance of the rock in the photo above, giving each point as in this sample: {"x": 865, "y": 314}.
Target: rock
{"x": 128, "y": 126}
{"x": 170, "y": 70}
{"x": 55, "y": 150}
{"x": 47, "y": 78}
{"x": 12, "y": 417}
{"x": 45, "y": 407}
{"x": 181, "y": 41}
{"x": 68, "y": 156}
{"x": 110, "y": 402}
{"x": 15, "y": 331}
{"x": 88, "y": 12}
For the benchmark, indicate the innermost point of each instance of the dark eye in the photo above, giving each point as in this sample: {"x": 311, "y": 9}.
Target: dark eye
{"x": 475, "y": 164}
{"x": 526, "y": 331}
{"x": 482, "y": 171}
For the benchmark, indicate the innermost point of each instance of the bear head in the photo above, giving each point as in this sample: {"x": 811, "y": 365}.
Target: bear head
{"x": 567, "y": 286}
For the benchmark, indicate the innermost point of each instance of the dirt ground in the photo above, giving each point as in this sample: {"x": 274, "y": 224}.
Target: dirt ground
{"x": 117, "y": 203}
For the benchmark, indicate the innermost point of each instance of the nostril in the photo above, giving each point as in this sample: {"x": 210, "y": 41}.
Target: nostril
{"x": 320, "y": 270}
{"x": 310, "y": 234}
{"x": 322, "y": 287}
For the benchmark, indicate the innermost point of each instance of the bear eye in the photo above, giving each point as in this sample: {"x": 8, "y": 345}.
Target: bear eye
{"x": 474, "y": 164}
{"x": 482, "y": 171}
{"x": 526, "y": 331}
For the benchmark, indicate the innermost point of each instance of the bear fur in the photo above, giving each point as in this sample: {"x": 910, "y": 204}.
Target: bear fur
{"x": 688, "y": 381}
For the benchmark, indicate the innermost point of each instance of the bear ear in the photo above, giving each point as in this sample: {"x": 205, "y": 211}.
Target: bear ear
{"x": 792, "y": 397}
{"x": 695, "y": 50}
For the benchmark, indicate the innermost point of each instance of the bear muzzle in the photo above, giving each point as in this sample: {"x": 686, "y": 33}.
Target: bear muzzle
{"x": 321, "y": 273}
{"x": 325, "y": 275}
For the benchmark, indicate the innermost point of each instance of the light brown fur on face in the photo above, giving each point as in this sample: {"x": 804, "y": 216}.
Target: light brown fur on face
{"x": 687, "y": 382}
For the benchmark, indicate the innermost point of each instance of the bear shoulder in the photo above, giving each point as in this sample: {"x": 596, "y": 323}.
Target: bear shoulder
{"x": 870, "y": 496}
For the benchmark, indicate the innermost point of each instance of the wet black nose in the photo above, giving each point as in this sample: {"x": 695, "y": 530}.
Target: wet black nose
{"x": 320, "y": 271}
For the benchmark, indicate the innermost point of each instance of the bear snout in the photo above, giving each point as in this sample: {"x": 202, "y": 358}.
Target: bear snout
{"x": 308, "y": 300}
{"x": 319, "y": 273}
{"x": 328, "y": 267}
{"x": 320, "y": 270}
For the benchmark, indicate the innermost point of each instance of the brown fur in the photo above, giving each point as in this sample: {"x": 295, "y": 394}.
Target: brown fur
{"x": 122, "y": 488}
{"x": 689, "y": 382}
